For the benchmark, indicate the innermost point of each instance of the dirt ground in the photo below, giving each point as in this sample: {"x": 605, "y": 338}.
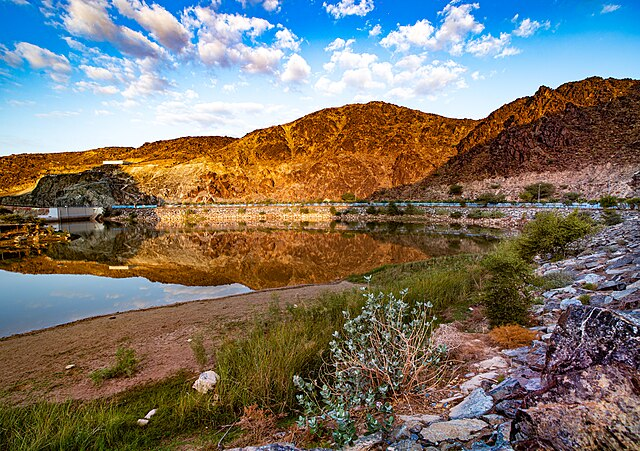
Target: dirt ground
{"x": 33, "y": 364}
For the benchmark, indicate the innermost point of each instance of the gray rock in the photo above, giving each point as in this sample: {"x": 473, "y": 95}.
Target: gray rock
{"x": 366, "y": 442}
{"x": 600, "y": 300}
{"x": 405, "y": 445}
{"x": 493, "y": 419}
{"x": 459, "y": 430}
{"x": 612, "y": 285}
{"x": 476, "y": 404}
{"x": 508, "y": 388}
{"x": 619, "y": 262}
{"x": 591, "y": 278}
{"x": 476, "y": 381}
{"x": 494, "y": 363}
{"x": 509, "y": 407}
{"x": 566, "y": 303}
{"x": 618, "y": 295}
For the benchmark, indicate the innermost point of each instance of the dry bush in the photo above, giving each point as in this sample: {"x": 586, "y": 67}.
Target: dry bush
{"x": 448, "y": 335}
{"x": 512, "y": 336}
{"x": 258, "y": 427}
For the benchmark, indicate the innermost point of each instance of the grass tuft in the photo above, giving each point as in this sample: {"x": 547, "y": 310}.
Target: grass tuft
{"x": 126, "y": 365}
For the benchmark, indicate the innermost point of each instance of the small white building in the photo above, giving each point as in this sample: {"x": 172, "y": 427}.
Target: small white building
{"x": 114, "y": 162}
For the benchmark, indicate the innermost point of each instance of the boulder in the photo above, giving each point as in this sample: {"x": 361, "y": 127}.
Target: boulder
{"x": 592, "y": 379}
{"x": 476, "y": 381}
{"x": 476, "y": 404}
{"x": 454, "y": 430}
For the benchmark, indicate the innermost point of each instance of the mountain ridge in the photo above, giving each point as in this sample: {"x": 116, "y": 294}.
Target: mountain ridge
{"x": 370, "y": 149}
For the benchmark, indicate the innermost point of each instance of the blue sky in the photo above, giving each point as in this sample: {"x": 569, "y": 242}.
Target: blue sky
{"x": 80, "y": 74}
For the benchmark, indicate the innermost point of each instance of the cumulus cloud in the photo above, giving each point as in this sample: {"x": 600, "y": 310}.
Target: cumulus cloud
{"x": 97, "y": 73}
{"x": 296, "y": 70}
{"x": 529, "y": 27}
{"x": 90, "y": 19}
{"x": 487, "y": 45}
{"x": 375, "y": 31}
{"x": 609, "y": 8}
{"x": 285, "y": 39}
{"x": 363, "y": 74}
{"x": 457, "y": 23}
{"x": 18, "y": 2}
{"x": 57, "y": 67}
{"x": 349, "y": 8}
{"x": 96, "y": 88}
{"x": 147, "y": 84}
{"x": 162, "y": 25}
{"x": 269, "y": 5}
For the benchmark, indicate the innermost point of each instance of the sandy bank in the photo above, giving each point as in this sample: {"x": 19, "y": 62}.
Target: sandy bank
{"x": 33, "y": 363}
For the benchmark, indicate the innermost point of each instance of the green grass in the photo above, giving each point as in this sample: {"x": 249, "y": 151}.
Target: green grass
{"x": 447, "y": 282}
{"x": 126, "y": 365}
{"x": 555, "y": 279}
{"x": 111, "y": 423}
{"x": 259, "y": 368}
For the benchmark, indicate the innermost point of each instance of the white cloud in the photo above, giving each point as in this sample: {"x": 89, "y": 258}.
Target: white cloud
{"x": 21, "y": 103}
{"x": 347, "y": 59}
{"x": 477, "y": 76}
{"x": 90, "y": 19}
{"x": 102, "y": 113}
{"x": 609, "y": 8}
{"x": 487, "y": 45}
{"x": 96, "y": 88}
{"x": 338, "y": 44}
{"x": 269, "y": 5}
{"x": 223, "y": 41}
{"x": 428, "y": 80}
{"x": 375, "y": 31}
{"x": 528, "y": 27}
{"x": 18, "y": 2}
{"x": 58, "y": 114}
{"x": 296, "y": 70}
{"x": 457, "y": 24}
{"x": 349, "y": 8}
{"x": 146, "y": 84}
{"x": 285, "y": 39}
{"x": 97, "y": 73}
{"x": 55, "y": 66}
{"x": 162, "y": 25}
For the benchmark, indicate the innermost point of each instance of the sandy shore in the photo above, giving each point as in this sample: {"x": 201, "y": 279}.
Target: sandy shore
{"x": 33, "y": 364}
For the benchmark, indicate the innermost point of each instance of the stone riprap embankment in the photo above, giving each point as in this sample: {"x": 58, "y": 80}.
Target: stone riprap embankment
{"x": 577, "y": 386}
{"x": 276, "y": 215}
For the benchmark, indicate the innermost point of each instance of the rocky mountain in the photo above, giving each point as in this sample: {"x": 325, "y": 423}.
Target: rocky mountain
{"x": 578, "y": 126}
{"x": 382, "y": 150}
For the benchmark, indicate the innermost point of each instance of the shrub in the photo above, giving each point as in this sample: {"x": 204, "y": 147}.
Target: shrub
{"x": 333, "y": 210}
{"x": 455, "y": 190}
{"x": 611, "y": 217}
{"x": 506, "y": 293}
{"x": 490, "y": 198}
{"x": 304, "y": 210}
{"x": 411, "y": 210}
{"x": 392, "y": 209}
{"x": 512, "y": 336}
{"x": 555, "y": 279}
{"x": 371, "y": 210}
{"x": 126, "y": 365}
{"x": 550, "y": 233}
{"x": 633, "y": 202}
{"x": 242, "y": 211}
{"x": 455, "y": 214}
{"x": 584, "y": 299}
{"x": 474, "y": 214}
{"x": 383, "y": 352}
{"x": 573, "y": 197}
{"x": 348, "y": 197}
{"x": 537, "y": 191}
{"x": 589, "y": 286}
{"x": 608, "y": 201}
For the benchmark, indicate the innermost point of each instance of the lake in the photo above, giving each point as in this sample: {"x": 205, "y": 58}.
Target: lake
{"x": 106, "y": 270}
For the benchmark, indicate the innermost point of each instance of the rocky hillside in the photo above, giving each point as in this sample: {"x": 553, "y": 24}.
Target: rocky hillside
{"x": 580, "y": 125}
{"x": 382, "y": 150}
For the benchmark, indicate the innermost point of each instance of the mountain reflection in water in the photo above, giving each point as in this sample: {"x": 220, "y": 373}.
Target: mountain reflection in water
{"x": 256, "y": 258}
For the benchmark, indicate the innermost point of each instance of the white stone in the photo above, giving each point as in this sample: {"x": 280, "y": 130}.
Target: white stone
{"x": 476, "y": 381}
{"x": 206, "y": 381}
{"x": 69, "y": 367}
{"x": 568, "y": 302}
{"x": 151, "y": 413}
{"x": 142, "y": 422}
{"x": 492, "y": 364}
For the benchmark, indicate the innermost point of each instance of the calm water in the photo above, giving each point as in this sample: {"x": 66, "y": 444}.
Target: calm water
{"x": 77, "y": 280}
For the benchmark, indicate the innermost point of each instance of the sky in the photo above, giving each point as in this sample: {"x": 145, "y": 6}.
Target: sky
{"x": 82, "y": 74}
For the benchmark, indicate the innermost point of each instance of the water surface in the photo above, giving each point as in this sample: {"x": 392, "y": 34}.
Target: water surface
{"x": 106, "y": 270}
